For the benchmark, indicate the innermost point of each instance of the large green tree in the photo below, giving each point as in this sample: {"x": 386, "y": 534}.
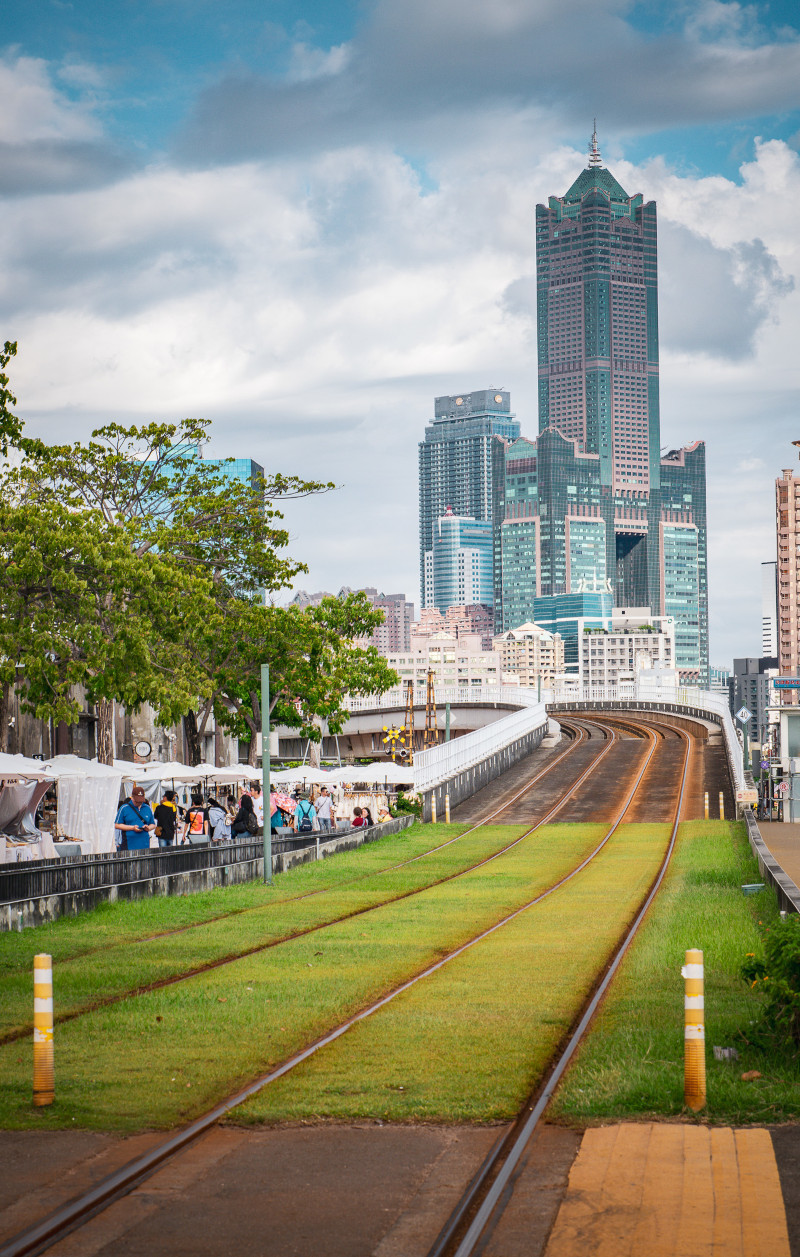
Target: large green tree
{"x": 153, "y": 582}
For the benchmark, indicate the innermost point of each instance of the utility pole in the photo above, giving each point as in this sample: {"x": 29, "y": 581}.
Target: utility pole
{"x": 265, "y": 773}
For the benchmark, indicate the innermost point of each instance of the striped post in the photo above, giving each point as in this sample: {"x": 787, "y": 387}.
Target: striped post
{"x": 721, "y": 806}
{"x": 447, "y": 807}
{"x": 706, "y": 803}
{"x": 694, "y": 1032}
{"x": 43, "y": 1078}
{"x": 433, "y": 808}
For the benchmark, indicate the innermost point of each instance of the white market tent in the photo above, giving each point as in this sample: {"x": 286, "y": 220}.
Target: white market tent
{"x": 380, "y": 772}
{"x": 20, "y": 768}
{"x": 88, "y": 799}
{"x": 305, "y": 773}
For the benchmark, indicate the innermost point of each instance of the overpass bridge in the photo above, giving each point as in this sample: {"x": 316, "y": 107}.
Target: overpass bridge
{"x": 492, "y": 727}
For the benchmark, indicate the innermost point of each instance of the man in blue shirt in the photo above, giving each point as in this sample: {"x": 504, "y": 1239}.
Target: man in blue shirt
{"x": 135, "y": 821}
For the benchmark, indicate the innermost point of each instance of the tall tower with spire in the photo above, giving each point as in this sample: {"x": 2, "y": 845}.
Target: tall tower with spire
{"x": 601, "y": 510}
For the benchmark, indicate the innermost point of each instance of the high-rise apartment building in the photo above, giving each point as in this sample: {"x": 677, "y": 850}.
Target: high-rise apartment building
{"x": 455, "y": 460}
{"x": 769, "y": 608}
{"x": 787, "y": 512}
{"x": 395, "y": 631}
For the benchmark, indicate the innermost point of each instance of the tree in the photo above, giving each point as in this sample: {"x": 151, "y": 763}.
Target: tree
{"x": 158, "y": 592}
{"x": 313, "y": 657}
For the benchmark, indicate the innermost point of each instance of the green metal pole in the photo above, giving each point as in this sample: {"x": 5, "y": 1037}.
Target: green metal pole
{"x": 265, "y": 773}
{"x": 447, "y": 722}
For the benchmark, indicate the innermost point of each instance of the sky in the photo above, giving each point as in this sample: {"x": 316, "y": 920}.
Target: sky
{"x": 302, "y": 221}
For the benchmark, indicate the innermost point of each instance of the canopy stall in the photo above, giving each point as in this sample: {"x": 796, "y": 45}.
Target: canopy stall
{"x": 88, "y": 800}
{"x": 380, "y": 772}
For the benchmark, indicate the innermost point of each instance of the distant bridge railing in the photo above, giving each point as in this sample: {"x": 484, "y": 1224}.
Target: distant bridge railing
{"x": 508, "y": 695}
{"x": 662, "y": 696}
{"x": 441, "y": 762}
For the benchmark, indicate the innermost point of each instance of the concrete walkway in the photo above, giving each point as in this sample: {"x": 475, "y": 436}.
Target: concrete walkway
{"x": 784, "y": 843}
{"x": 672, "y": 1191}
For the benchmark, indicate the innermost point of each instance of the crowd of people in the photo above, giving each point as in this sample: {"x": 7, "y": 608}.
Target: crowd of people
{"x": 233, "y": 817}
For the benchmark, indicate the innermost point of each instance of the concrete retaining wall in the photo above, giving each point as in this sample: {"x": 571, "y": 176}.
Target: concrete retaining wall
{"x": 38, "y": 911}
{"x": 470, "y": 780}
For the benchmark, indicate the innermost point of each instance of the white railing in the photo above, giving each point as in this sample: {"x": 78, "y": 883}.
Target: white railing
{"x": 680, "y": 696}
{"x": 441, "y": 762}
{"x": 510, "y": 695}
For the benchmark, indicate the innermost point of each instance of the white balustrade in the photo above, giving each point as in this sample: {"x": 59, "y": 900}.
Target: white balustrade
{"x": 440, "y": 763}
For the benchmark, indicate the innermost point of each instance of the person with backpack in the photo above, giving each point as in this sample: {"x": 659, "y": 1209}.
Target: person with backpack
{"x": 196, "y": 822}
{"x": 218, "y": 824}
{"x": 305, "y": 816}
{"x": 245, "y": 822}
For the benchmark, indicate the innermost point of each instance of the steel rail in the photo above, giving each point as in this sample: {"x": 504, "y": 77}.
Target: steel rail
{"x": 22, "y": 1032}
{"x": 489, "y": 1187}
{"x": 76, "y": 1212}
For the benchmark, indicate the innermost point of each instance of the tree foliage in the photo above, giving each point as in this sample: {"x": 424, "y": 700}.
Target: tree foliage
{"x": 141, "y": 571}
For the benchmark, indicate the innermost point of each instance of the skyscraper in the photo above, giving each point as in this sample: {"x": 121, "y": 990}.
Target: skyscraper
{"x": 458, "y": 567}
{"x": 456, "y": 463}
{"x": 769, "y": 609}
{"x": 607, "y": 511}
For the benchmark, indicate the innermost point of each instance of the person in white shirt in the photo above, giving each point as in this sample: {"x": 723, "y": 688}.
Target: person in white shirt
{"x": 324, "y": 805}
{"x": 258, "y": 805}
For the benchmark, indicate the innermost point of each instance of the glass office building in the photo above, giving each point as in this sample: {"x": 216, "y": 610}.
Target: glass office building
{"x": 604, "y": 510}
{"x": 457, "y": 461}
{"x": 458, "y": 567}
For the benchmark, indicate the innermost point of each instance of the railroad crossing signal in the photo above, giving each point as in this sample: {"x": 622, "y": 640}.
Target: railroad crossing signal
{"x": 744, "y": 715}
{"x": 393, "y": 737}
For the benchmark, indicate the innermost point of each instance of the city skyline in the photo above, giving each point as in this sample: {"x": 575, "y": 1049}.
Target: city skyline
{"x": 305, "y": 229}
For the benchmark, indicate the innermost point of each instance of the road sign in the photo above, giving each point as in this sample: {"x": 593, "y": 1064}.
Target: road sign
{"x": 782, "y": 788}
{"x": 765, "y": 763}
{"x": 744, "y": 715}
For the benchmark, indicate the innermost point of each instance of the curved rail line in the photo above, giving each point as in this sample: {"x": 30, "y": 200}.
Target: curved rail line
{"x": 486, "y": 1197}
{"x": 21, "y": 1032}
{"x": 75, "y": 1213}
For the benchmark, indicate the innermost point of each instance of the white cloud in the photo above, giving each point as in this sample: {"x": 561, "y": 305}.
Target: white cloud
{"x": 32, "y": 109}
{"x": 307, "y": 62}
{"x": 313, "y": 303}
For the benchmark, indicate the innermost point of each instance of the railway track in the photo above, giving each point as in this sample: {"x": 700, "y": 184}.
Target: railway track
{"x": 487, "y": 1196}
{"x": 480, "y": 1203}
{"x": 582, "y": 737}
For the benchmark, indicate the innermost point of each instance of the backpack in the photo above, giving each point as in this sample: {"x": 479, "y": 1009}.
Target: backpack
{"x": 305, "y": 826}
{"x": 251, "y": 821}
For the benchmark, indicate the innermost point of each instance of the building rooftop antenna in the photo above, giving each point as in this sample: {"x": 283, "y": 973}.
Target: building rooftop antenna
{"x": 594, "y": 152}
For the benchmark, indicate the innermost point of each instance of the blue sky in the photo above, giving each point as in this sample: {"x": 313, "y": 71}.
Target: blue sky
{"x": 306, "y": 220}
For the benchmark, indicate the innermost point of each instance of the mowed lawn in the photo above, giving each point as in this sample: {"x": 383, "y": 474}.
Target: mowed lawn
{"x": 631, "y": 1064}
{"x": 162, "y": 1057}
{"x": 124, "y": 947}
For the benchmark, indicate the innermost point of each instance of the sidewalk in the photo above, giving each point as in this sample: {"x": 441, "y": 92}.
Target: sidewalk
{"x": 672, "y": 1190}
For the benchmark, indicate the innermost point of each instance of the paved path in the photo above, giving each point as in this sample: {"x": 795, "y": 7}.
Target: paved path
{"x": 672, "y": 1191}
{"x": 784, "y": 843}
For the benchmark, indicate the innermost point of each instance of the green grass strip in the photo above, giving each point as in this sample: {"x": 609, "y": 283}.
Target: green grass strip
{"x": 128, "y": 921}
{"x": 119, "y": 967}
{"x": 631, "y": 1065}
{"x": 172, "y": 1053}
{"x": 470, "y": 1043}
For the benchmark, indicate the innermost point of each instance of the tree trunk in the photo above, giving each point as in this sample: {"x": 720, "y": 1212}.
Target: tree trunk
{"x": 5, "y": 715}
{"x": 105, "y": 731}
{"x": 252, "y": 750}
{"x": 192, "y": 737}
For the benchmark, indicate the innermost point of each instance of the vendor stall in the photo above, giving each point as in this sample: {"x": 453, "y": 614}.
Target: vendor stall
{"x": 88, "y": 800}
{"x": 23, "y": 784}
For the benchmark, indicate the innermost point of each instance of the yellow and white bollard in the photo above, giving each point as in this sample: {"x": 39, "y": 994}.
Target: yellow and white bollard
{"x": 721, "y": 806}
{"x": 694, "y": 1032}
{"x": 706, "y": 803}
{"x": 433, "y": 809}
{"x": 447, "y": 807}
{"x": 43, "y": 1076}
